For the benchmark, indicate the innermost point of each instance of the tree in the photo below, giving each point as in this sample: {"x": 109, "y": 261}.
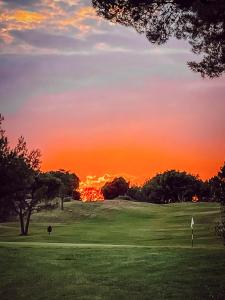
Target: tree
{"x": 117, "y": 187}
{"x": 6, "y": 207}
{"x": 43, "y": 187}
{"x": 171, "y": 186}
{"x": 205, "y": 191}
{"x": 22, "y": 185}
{"x": 218, "y": 189}
{"x": 46, "y": 187}
{"x": 69, "y": 184}
{"x": 135, "y": 192}
{"x": 18, "y": 168}
{"x": 200, "y": 22}
{"x": 221, "y": 176}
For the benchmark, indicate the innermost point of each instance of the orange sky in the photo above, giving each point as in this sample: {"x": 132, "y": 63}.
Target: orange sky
{"x": 139, "y": 164}
{"x": 99, "y": 99}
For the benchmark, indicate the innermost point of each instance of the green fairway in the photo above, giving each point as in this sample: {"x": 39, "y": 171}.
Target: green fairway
{"x": 115, "y": 250}
{"x": 122, "y": 222}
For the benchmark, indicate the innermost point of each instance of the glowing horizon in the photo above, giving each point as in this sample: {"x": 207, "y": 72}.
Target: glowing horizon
{"x": 97, "y": 98}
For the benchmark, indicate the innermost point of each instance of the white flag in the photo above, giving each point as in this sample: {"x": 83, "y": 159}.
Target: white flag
{"x": 192, "y": 223}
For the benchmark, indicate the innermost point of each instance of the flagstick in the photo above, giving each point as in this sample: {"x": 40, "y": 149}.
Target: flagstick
{"x": 192, "y": 232}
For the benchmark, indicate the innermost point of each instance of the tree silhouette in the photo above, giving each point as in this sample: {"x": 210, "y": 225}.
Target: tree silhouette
{"x": 218, "y": 189}
{"x": 171, "y": 186}
{"x": 118, "y": 187}
{"x": 22, "y": 185}
{"x": 200, "y": 22}
{"x": 70, "y": 183}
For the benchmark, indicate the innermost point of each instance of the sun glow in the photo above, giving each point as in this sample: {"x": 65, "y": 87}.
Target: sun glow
{"x": 91, "y": 194}
{"x": 90, "y": 188}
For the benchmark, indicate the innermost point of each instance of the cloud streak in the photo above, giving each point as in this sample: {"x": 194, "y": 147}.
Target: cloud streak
{"x": 46, "y": 15}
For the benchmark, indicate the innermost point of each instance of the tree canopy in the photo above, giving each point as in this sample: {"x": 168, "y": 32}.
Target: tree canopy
{"x": 69, "y": 184}
{"x": 217, "y": 186}
{"x": 200, "y": 22}
{"x": 171, "y": 186}
{"x": 22, "y": 185}
{"x": 115, "y": 188}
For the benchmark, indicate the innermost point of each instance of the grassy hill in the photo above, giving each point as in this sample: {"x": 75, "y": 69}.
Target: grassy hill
{"x": 114, "y": 250}
{"x": 122, "y": 222}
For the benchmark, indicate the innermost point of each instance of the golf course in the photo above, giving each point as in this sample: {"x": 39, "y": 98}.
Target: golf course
{"x": 115, "y": 249}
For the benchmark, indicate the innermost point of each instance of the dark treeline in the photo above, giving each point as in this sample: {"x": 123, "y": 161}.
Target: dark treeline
{"x": 169, "y": 187}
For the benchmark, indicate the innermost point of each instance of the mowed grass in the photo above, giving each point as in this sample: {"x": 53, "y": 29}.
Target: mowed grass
{"x": 122, "y": 222}
{"x": 115, "y": 250}
{"x": 90, "y": 273}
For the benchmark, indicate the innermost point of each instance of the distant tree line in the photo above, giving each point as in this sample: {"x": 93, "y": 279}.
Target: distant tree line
{"x": 23, "y": 186}
{"x": 169, "y": 187}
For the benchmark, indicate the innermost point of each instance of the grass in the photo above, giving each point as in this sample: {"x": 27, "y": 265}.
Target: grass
{"x": 122, "y": 222}
{"x": 114, "y": 250}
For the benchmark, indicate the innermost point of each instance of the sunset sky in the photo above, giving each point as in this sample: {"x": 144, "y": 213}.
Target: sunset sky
{"x": 97, "y": 98}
